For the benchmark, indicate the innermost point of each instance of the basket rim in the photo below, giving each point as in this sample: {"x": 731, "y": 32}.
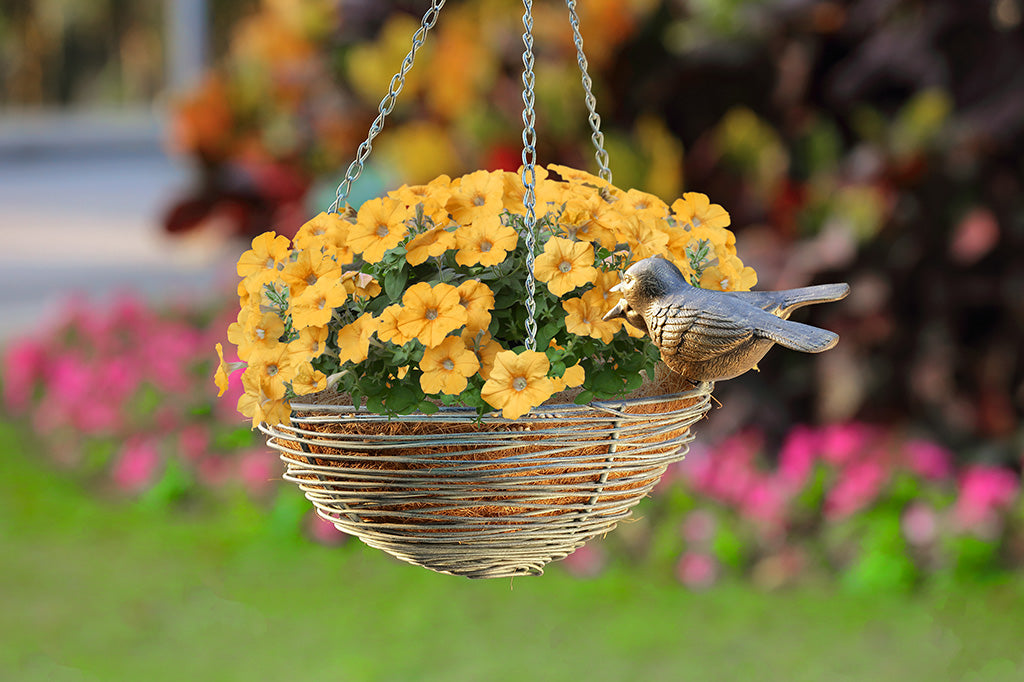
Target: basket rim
{"x": 613, "y": 407}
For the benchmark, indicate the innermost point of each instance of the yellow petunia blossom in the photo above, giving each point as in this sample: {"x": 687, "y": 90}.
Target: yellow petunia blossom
{"x": 315, "y": 305}
{"x": 354, "y": 339}
{"x": 447, "y": 367}
{"x": 645, "y": 238}
{"x": 484, "y": 347}
{"x": 697, "y": 210}
{"x": 220, "y": 377}
{"x": 261, "y": 264}
{"x": 308, "y": 380}
{"x": 643, "y": 205}
{"x": 307, "y": 269}
{"x": 430, "y": 313}
{"x": 729, "y": 275}
{"x": 433, "y": 242}
{"x": 360, "y": 284}
{"x": 310, "y": 344}
{"x": 478, "y": 300}
{"x": 585, "y": 220}
{"x": 518, "y": 383}
{"x": 485, "y": 242}
{"x": 255, "y": 330}
{"x": 583, "y": 318}
{"x": 573, "y": 377}
{"x": 565, "y": 265}
{"x": 477, "y": 195}
{"x": 433, "y": 196}
{"x": 325, "y": 232}
{"x": 380, "y": 226}
{"x": 545, "y": 191}
{"x": 273, "y": 367}
{"x": 387, "y": 326}
{"x": 576, "y": 175}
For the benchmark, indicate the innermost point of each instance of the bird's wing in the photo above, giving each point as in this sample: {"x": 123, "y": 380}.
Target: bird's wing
{"x": 694, "y": 334}
{"x": 794, "y": 335}
{"x": 782, "y": 303}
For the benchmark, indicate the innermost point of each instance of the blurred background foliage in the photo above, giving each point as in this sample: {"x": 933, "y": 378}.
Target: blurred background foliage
{"x": 879, "y": 142}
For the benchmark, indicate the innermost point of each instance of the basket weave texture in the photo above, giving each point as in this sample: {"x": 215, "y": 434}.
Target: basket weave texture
{"x": 484, "y": 497}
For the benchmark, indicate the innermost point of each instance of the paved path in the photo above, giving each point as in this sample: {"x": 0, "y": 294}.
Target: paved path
{"x": 85, "y": 222}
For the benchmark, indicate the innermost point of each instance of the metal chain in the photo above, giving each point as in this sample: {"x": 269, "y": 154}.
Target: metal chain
{"x": 595, "y": 119}
{"x": 387, "y": 104}
{"x": 529, "y": 173}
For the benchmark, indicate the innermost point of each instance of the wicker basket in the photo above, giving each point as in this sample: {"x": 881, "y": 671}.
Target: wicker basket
{"x": 484, "y": 498}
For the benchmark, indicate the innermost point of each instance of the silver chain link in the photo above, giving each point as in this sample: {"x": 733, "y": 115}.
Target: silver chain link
{"x": 595, "y": 119}
{"x": 387, "y": 104}
{"x": 529, "y": 173}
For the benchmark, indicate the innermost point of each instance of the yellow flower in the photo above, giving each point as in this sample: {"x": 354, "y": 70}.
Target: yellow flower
{"x": 308, "y": 380}
{"x": 433, "y": 196}
{"x": 430, "y": 313}
{"x": 273, "y": 368}
{"x": 354, "y": 340}
{"x": 645, "y": 206}
{"x": 220, "y": 377}
{"x": 478, "y": 300}
{"x": 565, "y": 265}
{"x": 315, "y": 305}
{"x": 433, "y": 242}
{"x": 545, "y": 191}
{"x": 308, "y": 268}
{"x": 583, "y": 318}
{"x": 575, "y": 175}
{"x": 387, "y": 326}
{"x": 485, "y": 242}
{"x": 268, "y": 255}
{"x": 584, "y": 219}
{"x": 325, "y": 232}
{"x": 477, "y": 195}
{"x": 360, "y": 284}
{"x": 310, "y": 344}
{"x": 258, "y": 406}
{"x": 255, "y": 330}
{"x": 379, "y": 227}
{"x": 446, "y": 367}
{"x": 644, "y": 238}
{"x": 573, "y": 377}
{"x": 729, "y": 275}
{"x": 697, "y": 210}
{"x": 518, "y": 383}
{"x": 484, "y": 347}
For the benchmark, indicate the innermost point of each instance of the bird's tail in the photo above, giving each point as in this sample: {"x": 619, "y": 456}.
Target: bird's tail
{"x": 796, "y": 335}
{"x": 783, "y": 303}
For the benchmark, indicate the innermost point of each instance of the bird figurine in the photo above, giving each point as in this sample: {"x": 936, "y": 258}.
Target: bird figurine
{"x": 708, "y": 335}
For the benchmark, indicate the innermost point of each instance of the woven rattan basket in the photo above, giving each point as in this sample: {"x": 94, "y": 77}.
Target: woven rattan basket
{"x": 485, "y": 497}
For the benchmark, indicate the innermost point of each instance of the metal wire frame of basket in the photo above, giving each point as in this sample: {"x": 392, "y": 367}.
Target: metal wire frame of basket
{"x": 485, "y": 497}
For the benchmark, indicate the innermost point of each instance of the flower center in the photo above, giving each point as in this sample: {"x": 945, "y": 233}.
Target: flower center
{"x": 271, "y": 370}
{"x": 382, "y": 230}
{"x": 311, "y": 279}
{"x": 519, "y": 383}
{"x": 565, "y": 266}
{"x": 321, "y": 303}
{"x": 271, "y": 263}
{"x": 479, "y": 200}
{"x": 261, "y": 333}
{"x": 485, "y": 246}
{"x": 448, "y": 364}
{"x": 431, "y": 314}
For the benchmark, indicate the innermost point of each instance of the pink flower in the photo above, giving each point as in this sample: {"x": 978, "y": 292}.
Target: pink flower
{"x": 920, "y": 524}
{"x": 214, "y": 470}
{"x": 796, "y": 459}
{"x": 696, "y": 570}
{"x": 842, "y": 442}
{"x": 24, "y": 364}
{"x": 258, "y": 470}
{"x": 765, "y": 504}
{"x": 193, "y": 442}
{"x": 983, "y": 490}
{"x": 323, "y": 531}
{"x": 699, "y": 527}
{"x": 136, "y": 466}
{"x": 586, "y": 562}
{"x": 859, "y": 483}
{"x": 929, "y": 460}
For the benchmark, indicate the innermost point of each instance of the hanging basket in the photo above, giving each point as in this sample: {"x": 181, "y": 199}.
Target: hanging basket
{"x": 485, "y": 497}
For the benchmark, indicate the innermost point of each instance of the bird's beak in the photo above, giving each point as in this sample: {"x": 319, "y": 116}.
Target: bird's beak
{"x": 618, "y": 311}
{"x": 616, "y": 288}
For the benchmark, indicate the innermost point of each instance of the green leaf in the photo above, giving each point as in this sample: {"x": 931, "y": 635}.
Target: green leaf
{"x": 584, "y": 397}
{"x": 427, "y": 407}
{"x": 394, "y": 283}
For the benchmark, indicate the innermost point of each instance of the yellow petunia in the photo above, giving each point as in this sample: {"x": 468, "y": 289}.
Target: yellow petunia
{"x": 645, "y": 238}
{"x": 578, "y": 176}
{"x": 477, "y": 195}
{"x": 696, "y": 209}
{"x": 478, "y": 300}
{"x": 255, "y": 330}
{"x": 360, "y": 284}
{"x": 485, "y": 242}
{"x": 220, "y": 377}
{"x": 430, "y": 313}
{"x": 308, "y": 268}
{"x": 643, "y": 205}
{"x": 729, "y": 275}
{"x": 325, "y": 232}
{"x": 565, "y": 265}
{"x": 387, "y": 326}
{"x": 433, "y": 242}
{"x": 484, "y": 347}
{"x": 268, "y": 255}
{"x": 259, "y": 407}
{"x": 310, "y": 344}
{"x": 573, "y": 377}
{"x": 433, "y": 196}
{"x": 545, "y": 191}
{"x": 380, "y": 226}
{"x": 273, "y": 367}
{"x": 447, "y": 367}
{"x": 584, "y": 219}
{"x": 583, "y": 318}
{"x": 518, "y": 383}
{"x": 308, "y": 380}
{"x": 315, "y": 305}
{"x": 354, "y": 339}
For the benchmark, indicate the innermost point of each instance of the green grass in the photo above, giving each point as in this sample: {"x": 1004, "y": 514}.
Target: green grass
{"x": 93, "y": 589}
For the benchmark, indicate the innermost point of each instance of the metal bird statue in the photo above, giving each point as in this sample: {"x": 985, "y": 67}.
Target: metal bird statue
{"x": 707, "y": 335}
